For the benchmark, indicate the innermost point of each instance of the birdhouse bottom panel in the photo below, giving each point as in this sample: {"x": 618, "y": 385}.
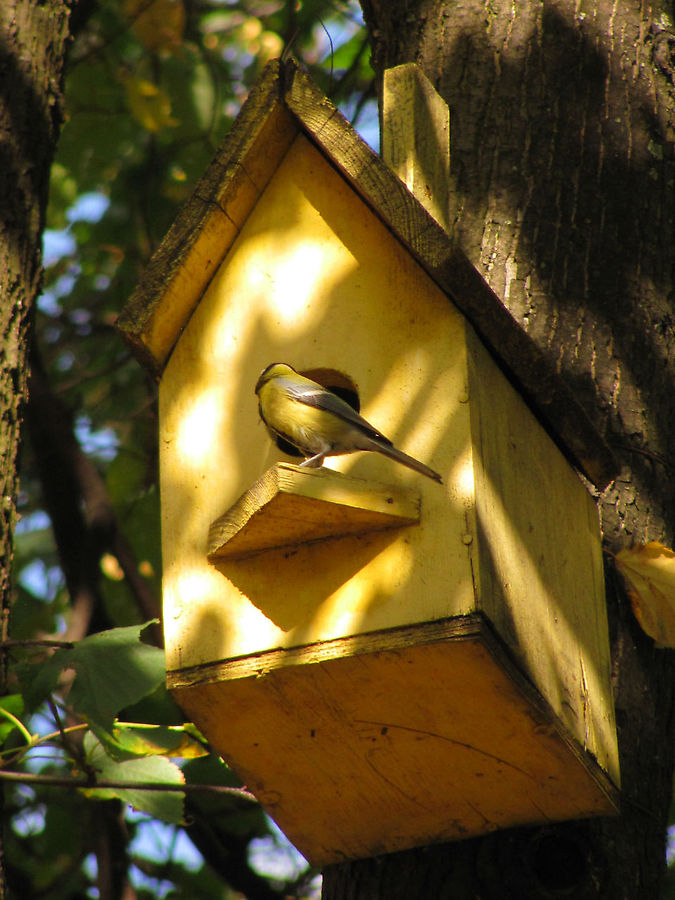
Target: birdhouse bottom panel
{"x": 396, "y": 739}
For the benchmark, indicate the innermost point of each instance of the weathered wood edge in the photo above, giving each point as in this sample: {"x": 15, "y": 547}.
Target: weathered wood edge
{"x": 504, "y": 658}
{"x": 400, "y": 508}
{"x": 257, "y": 664}
{"x": 459, "y": 628}
{"x": 519, "y": 357}
{"x": 415, "y": 137}
{"x": 227, "y": 164}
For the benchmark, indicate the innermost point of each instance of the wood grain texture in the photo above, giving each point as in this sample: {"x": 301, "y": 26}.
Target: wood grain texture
{"x": 415, "y": 141}
{"x": 562, "y": 189}
{"x": 259, "y": 647}
{"x": 285, "y": 100}
{"x": 316, "y": 280}
{"x": 540, "y": 558}
{"x": 379, "y": 761}
{"x": 290, "y": 505}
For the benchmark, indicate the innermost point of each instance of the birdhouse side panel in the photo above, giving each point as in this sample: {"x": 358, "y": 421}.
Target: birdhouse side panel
{"x": 316, "y": 280}
{"x": 540, "y": 560}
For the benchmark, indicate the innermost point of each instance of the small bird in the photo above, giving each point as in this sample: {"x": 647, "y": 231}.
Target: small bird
{"x": 317, "y": 422}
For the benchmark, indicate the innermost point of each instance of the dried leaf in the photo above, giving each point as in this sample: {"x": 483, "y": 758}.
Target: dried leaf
{"x": 649, "y": 570}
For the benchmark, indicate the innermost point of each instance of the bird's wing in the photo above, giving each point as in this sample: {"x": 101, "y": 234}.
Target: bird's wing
{"x": 322, "y": 398}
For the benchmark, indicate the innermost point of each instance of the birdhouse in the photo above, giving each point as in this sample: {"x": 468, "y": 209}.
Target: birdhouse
{"x": 385, "y": 661}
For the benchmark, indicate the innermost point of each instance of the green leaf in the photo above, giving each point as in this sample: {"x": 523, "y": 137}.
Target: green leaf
{"x": 165, "y": 805}
{"x": 125, "y": 477}
{"x": 131, "y": 740}
{"x": 13, "y": 704}
{"x": 228, "y": 814}
{"x": 113, "y": 670}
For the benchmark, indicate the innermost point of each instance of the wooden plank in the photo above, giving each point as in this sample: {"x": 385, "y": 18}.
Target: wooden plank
{"x": 289, "y": 505}
{"x": 522, "y": 360}
{"x": 415, "y": 140}
{"x": 175, "y": 278}
{"x": 455, "y": 628}
{"x": 203, "y": 231}
{"x": 540, "y": 559}
{"x": 374, "y": 752}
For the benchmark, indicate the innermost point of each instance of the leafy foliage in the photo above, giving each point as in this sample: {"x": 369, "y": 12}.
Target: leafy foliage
{"x": 167, "y": 806}
{"x": 151, "y": 88}
{"x": 113, "y": 670}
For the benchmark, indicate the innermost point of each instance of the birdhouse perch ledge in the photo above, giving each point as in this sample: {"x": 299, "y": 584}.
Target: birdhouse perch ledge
{"x": 291, "y": 505}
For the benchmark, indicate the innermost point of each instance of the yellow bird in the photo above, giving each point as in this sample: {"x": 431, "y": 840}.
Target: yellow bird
{"x": 317, "y": 422}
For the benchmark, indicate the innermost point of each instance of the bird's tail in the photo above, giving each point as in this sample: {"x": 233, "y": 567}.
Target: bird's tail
{"x": 409, "y": 461}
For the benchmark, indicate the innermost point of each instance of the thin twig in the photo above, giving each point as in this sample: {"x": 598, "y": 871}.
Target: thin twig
{"x": 656, "y": 457}
{"x": 71, "y": 748}
{"x": 56, "y": 781}
{"x": 66, "y": 645}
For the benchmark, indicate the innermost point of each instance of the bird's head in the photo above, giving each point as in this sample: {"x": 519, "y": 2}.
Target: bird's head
{"x": 274, "y": 370}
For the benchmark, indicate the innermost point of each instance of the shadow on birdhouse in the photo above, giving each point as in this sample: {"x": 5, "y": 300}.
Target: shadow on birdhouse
{"x": 385, "y": 661}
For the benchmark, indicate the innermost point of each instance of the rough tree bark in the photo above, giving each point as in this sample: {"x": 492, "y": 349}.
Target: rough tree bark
{"x": 33, "y": 39}
{"x": 562, "y": 193}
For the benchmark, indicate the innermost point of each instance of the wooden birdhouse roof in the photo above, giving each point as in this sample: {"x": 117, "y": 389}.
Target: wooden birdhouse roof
{"x": 283, "y": 104}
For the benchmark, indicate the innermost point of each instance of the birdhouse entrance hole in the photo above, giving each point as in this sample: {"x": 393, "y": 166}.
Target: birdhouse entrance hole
{"x": 339, "y": 384}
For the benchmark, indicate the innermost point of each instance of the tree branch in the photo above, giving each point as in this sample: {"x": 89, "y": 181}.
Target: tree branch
{"x": 57, "y": 781}
{"x": 84, "y": 521}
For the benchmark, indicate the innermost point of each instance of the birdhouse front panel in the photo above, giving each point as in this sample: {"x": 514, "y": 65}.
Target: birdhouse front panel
{"x": 314, "y": 279}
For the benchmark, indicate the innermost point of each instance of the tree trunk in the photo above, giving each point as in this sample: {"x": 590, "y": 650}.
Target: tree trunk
{"x": 32, "y": 48}
{"x": 562, "y": 194}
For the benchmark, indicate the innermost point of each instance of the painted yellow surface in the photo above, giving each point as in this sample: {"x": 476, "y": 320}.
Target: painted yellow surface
{"x": 291, "y": 505}
{"x": 540, "y": 560}
{"x": 314, "y": 279}
{"x": 201, "y": 237}
{"x": 415, "y": 141}
{"x": 387, "y": 689}
{"x": 405, "y": 747}
{"x": 184, "y": 290}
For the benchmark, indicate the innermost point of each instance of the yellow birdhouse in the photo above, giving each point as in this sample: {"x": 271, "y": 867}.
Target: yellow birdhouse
{"x": 385, "y": 661}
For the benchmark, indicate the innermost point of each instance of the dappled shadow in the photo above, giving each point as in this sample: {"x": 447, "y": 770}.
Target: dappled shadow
{"x": 582, "y": 254}
{"x": 317, "y": 290}
{"x": 322, "y": 307}
{"x": 289, "y": 585}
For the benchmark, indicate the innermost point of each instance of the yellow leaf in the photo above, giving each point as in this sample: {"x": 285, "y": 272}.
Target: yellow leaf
{"x": 158, "y": 23}
{"x": 649, "y": 570}
{"x": 149, "y": 104}
{"x": 158, "y": 740}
